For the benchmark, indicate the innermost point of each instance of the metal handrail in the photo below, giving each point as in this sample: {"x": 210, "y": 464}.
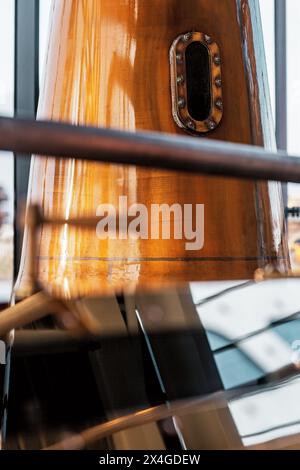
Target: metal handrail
{"x": 147, "y": 149}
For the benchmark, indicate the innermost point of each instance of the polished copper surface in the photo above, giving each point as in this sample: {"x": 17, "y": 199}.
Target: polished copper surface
{"x": 108, "y": 65}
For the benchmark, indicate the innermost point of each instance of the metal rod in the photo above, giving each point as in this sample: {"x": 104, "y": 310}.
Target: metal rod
{"x": 26, "y": 92}
{"x": 176, "y": 408}
{"x": 280, "y": 73}
{"x": 281, "y": 81}
{"x": 147, "y": 149}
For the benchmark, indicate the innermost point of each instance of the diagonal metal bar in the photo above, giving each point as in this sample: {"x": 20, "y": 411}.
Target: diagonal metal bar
{"x": 177, "y": 408}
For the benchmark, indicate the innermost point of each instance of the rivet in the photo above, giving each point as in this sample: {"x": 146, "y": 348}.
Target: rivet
{"x": 208, "y": 39}
{"x": 179, "y": 57}
{"x": 217, "y": 60}
{"x": 186, "y": 37}
{"x": 218, "y": 82}
{"x": 219, "y": 103}
{"x": 180, "y": 79}
{"x": 210, "y": 124}
{"x": 190, "y": 124}
{"x": 181, "y": 102}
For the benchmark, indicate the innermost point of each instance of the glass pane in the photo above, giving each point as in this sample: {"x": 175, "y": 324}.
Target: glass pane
{"x": 45, "y": 9}
{"x": 293, "y": 103}
{"x": 268, "y": 17}
{"x": 6, "y": 173}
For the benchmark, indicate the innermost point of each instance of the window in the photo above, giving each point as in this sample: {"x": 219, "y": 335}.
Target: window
{"x": 293, "y": 104}
{"x": 7, "y": 164}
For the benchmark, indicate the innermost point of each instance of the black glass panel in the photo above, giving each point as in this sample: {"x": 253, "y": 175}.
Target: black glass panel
{"x": 198, "y": 81}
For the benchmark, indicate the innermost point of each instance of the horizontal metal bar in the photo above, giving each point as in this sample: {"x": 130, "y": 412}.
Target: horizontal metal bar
{"x": 147, "y": 149}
